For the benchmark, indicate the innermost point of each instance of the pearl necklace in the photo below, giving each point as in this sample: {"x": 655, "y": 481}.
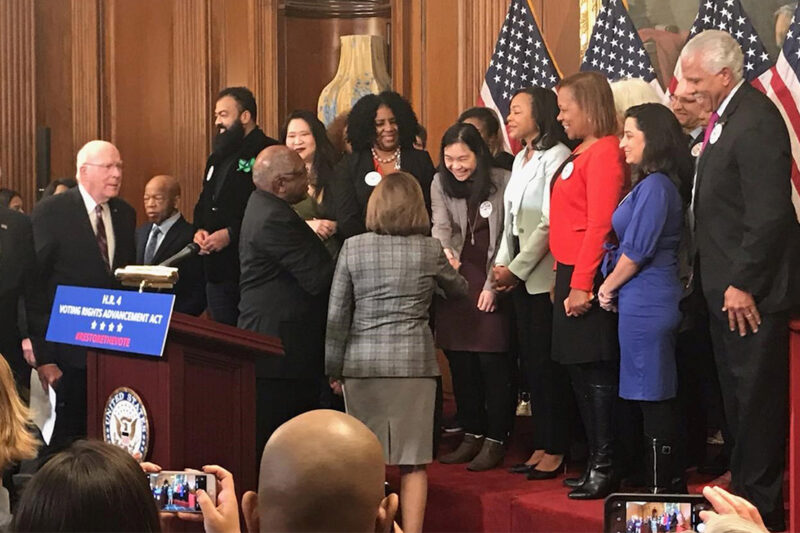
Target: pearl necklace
{"x": 395, "y": 157}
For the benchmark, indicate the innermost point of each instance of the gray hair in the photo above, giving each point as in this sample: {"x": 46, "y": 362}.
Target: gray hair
{"x": 630, "y": 92}
{"x": 786, "y": 10}
{"x": 718, "y": 50}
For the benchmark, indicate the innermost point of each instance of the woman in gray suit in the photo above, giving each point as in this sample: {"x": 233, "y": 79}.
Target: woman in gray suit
{"x": 379, "y": 347}
{"x": 524, "y": 263}
{"x": 467, "y": 205}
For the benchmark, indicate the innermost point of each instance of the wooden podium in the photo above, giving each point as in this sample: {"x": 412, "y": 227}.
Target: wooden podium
{"x": 200, "y": 395}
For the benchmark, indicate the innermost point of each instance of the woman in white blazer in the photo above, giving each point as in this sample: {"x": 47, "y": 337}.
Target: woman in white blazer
{"x": 467, "y": 205}
{"x": 524, "y": 266}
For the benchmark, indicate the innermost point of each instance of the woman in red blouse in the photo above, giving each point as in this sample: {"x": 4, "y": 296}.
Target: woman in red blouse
{"x": 586, "y": 190}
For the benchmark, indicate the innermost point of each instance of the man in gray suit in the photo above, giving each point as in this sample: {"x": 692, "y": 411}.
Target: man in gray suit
{"x": 285, "y": 280}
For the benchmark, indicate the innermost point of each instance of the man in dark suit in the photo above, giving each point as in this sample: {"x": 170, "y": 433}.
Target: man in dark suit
{"x": 17, "y": 281}
{"x": 286, "y": 277}
{"x": 81, "y": 236}
{"x": 166, "y": 234}
{"x": 227, "y": 186}
{"x": 746, "y": 236}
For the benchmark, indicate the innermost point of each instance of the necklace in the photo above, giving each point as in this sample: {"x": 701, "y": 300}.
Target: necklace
{"x": 394, "y": 157}
{"x": 471, "y": 227}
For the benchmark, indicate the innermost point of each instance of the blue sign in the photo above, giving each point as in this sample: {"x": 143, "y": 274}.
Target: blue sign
{"x": 127, "y": 321}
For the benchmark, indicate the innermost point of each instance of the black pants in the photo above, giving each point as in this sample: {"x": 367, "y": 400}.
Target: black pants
{"x": 280, "y": 400}
{"x": 548, "y": 381}
{"x": 482, "y": 387}
{"x": 754, "y": 375}
{"x": 70, "y": 409}
{"x": 223, "y": 301}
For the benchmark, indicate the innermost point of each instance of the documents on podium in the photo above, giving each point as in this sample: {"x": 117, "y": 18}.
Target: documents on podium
{"x": 147, "y": 276}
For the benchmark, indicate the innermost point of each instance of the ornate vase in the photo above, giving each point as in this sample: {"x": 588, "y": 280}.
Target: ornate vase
{"x": 362, "y": 70}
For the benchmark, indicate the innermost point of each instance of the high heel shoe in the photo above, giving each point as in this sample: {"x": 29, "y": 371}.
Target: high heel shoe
{"x": 536, "y": 474}
{"x": 521, "y": 468}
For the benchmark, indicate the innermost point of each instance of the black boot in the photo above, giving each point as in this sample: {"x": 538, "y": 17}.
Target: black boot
{"x": 601, "y": 480}
{"x": 665, "y": 475}
{"x": 583, "y": 401}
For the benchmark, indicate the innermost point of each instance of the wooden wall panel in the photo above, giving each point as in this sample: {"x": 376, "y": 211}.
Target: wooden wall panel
{"x": 264, "y": 62}
{"x": 561, "y": 27}
{"x": 17, "y": 98}
{"x": 85, "y": 60}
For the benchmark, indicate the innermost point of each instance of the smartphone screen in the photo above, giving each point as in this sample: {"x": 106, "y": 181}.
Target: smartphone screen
{"x": 643, "y": 513}
{"x": 177, "y": 491}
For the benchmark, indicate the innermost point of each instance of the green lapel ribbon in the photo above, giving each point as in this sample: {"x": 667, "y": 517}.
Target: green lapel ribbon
{"x": 246, "y": 165}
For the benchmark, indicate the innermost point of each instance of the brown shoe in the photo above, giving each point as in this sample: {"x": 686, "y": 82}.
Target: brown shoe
{"x": 490, "y": 456}
{"x": 465, "y": 452}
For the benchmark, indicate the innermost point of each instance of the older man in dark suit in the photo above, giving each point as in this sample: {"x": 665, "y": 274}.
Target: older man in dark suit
{"x": 285, "y": 280}
{"x": 227, "y": 186}
{"x": 746, "y": 236}
{"x": 167, "y": 233}
{"x": 81, "y": 236}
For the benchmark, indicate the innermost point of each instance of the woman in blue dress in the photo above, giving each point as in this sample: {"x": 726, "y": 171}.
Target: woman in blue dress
{"x": 642, "y": 281}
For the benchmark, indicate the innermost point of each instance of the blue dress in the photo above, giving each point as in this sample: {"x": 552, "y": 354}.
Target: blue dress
{"x": 648, "y": 224}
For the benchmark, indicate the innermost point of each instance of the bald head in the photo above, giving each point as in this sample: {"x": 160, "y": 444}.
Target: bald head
{"x": 280, "y": 171}
{"x": 322, "y": 471}
{"x": 161, "y": 196}
{"x": 99, "y": 170}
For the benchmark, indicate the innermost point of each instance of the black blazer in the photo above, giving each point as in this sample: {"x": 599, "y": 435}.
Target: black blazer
{"x": 745, "y": 226}
{"x": 190, "y": 291}
{"x": 339, "y": 203}
{"x": 17, "y": 280}
{"x": 356, "y": 166}
{"x": 225, "y": 209}
{"x": 285, "y": 280}
{"x": 67, "y": 254}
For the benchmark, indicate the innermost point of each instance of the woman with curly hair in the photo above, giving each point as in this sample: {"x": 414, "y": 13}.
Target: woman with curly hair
{"x": 382, "y": 129}
{"x": 330, "y": 209}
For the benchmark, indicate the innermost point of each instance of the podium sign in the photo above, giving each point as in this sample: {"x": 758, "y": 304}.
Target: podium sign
{"x": 127, "y": 321}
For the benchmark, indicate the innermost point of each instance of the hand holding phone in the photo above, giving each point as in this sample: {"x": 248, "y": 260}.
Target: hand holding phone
{"x": 177, "y": 491}
{"x": 625, "y": 513}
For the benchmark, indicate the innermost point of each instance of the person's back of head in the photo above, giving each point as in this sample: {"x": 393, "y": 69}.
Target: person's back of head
{"x": 91, "y": 486}
{"x": 321, "y": 471}
{"x": 16, "y": 442}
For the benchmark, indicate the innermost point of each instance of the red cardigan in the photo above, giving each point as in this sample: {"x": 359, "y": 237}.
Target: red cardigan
{"x": 581, "y": 205}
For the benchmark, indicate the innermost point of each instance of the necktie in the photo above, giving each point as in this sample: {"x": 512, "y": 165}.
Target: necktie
{"x": 152, "y": 245}
{"x": 711, "y": 123}
{"x": 102, "y": 238}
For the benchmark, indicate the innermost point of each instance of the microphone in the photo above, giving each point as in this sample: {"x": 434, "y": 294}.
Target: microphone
{"x": 190, "y": 249}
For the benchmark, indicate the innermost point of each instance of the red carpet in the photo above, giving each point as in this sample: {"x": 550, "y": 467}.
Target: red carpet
{"x": 462, "y": 501}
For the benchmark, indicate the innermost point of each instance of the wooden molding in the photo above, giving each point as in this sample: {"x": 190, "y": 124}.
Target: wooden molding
{"x": 264, "y": 69}
{"x": 18, "y": 98}
{"x": 85, "y": 48}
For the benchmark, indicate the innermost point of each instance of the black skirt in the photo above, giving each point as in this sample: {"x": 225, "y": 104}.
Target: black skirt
{"x": 589, "y": 338}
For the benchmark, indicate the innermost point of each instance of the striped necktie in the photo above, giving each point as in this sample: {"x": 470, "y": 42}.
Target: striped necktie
{"x": 102, "y": 238}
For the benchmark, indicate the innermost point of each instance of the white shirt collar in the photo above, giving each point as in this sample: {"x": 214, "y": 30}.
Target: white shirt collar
{"x": 724, "y": 104}
{"x": 167, "y": 223}
{"x": 88, "y": 201}
{"x": 697, "y": 132}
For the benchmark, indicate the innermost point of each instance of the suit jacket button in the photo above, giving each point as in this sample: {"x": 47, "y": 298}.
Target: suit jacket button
{"x": 214, "y": 209}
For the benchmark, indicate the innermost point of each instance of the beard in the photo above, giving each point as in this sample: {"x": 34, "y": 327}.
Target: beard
{"x": 228, "y": 140}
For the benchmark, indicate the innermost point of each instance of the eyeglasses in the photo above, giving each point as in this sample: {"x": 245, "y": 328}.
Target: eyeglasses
{"x": 107, "y": 166}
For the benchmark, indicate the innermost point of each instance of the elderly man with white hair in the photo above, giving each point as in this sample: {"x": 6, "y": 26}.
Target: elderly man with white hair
{"x": 81, "y": 236}
{"x": 745, "y": 232}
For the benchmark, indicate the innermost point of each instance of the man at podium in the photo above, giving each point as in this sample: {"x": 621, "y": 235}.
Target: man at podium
{"x": 81, "y": 237}
{"x": 285, "y": 280}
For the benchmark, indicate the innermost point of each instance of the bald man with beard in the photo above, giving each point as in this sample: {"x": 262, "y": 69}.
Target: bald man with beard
{"x": 167, "y": 233}
{"x": 285, "y": 280}
{"x": 321, "y": 471}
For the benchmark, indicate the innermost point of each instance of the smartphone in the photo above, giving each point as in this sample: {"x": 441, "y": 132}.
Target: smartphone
{"x": 176, "y": 491}
{"x": 643, "y": 513}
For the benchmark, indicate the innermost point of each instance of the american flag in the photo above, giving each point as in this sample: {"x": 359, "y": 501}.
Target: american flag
{"x": 616, "y": 50}
{"x": 782, "y": 85}
{"x": 730, "y": 16}
{"x": 521, "y": 59}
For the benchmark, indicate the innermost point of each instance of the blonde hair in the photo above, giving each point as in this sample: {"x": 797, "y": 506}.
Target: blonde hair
{"x": 16, "y": 442}
{"x": 397, "y": 207}
{"x": 593, "y": 95}
{"x": 632, "y": 92}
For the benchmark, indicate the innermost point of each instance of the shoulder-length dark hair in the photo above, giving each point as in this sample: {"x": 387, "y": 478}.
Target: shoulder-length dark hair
{"x": 325, "y": 155}
{"x": 665, "y": 150}
{"x": 592, "y": 92}
{"x": 479, "y": 186}
{"x": 361, "y": 122}
{"x": 90, "y": 486}
{"x": 544, "y": 108}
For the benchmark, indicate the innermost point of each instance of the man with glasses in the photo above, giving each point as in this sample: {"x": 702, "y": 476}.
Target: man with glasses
{"x": 286, "y": 277}
{"x": 167, "y": 233}
{"x": 81, "y": 237}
